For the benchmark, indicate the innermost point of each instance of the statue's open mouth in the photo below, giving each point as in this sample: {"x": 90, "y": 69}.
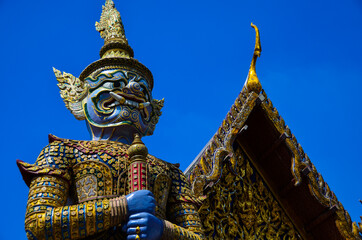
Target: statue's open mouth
{"x": 132, "y": 101}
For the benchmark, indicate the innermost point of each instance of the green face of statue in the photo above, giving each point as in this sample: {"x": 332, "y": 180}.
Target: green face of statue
{"x": 119, "y": 99}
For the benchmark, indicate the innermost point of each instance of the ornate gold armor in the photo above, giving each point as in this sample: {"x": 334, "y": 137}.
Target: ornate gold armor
{"x": 74, "y": 184}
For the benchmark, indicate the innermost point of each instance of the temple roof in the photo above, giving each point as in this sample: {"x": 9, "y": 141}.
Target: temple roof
{"x": 254, "y": 125}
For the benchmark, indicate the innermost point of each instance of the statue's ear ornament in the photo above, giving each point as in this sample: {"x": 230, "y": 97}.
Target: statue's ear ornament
{"x": 73, "y": 91}
{"x": 157, "y": 105}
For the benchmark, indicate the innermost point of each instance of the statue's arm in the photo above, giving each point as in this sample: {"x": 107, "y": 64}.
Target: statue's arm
{"x": 183, "y": 221}
{"x": 48, "y": 216}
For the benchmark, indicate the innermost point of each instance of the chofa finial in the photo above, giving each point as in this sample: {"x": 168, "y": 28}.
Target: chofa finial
{"x": 252, "y": 82}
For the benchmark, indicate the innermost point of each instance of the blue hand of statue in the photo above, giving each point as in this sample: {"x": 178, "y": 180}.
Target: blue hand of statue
{"x": 150, "y": 227}
{"x": 140, "y": 201}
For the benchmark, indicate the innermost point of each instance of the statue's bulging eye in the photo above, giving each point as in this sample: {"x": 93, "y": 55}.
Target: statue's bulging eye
{"x": 107, "y": 85}
{"x": 117, "y": 84}
{"x": 112, "y": 85}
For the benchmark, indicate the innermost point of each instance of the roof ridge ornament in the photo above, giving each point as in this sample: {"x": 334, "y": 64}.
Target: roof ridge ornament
{"x": 252, "y": 83}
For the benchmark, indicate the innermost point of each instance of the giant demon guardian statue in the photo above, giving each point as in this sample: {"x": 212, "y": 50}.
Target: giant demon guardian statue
{"x": 104, "y": 188}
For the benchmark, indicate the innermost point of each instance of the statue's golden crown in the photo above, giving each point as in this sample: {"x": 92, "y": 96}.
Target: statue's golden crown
{"x": 115, "y": 53}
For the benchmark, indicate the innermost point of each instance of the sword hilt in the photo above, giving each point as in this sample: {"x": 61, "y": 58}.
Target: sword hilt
{"x": 137, "y": 170}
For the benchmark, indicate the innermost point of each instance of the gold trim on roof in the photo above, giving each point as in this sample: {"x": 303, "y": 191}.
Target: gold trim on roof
{"x": 207, "y": 169}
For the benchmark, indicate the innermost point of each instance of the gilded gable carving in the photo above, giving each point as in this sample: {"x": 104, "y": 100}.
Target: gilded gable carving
{"x": 243, "y": 207}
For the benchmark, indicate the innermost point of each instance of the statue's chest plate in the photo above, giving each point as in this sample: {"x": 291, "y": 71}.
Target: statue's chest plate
{"x": 93, "y": 179}
{"x": 99, "y": 170}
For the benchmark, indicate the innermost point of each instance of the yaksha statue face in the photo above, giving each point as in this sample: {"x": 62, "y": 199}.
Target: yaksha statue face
{"x": 116, "y": 103}
{"x": 119, "y": 98}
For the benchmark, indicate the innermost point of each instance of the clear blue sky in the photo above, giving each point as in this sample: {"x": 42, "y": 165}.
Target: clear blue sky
{"x": 199, "y": 53}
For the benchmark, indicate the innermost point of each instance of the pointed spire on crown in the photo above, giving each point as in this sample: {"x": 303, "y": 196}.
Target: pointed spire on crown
{"x": 110, "y": 26}
{"x": 111, "y": 30}
{"x": 115, "y": 53}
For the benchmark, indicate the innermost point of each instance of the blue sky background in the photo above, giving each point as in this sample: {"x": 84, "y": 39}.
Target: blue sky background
{"x": 199, "y": 53}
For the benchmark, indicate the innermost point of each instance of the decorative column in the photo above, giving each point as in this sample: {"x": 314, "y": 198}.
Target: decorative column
{"x": 137, "y": 170}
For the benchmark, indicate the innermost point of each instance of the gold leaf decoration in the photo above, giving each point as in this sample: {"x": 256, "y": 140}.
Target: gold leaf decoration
{"x": 252, "y": 82}
{"x": 73, "y": 91}
{"x": 157, "y": 105}
{"x": 242, "y": 207}
{"x": 110, "y": 25}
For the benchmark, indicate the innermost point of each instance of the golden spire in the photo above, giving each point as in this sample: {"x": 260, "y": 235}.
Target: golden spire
{"x": 111, "y": 30}
{"x": 252, "y": 82}
{"x": 110, "y": 26}
{"x": 115, "y": 53}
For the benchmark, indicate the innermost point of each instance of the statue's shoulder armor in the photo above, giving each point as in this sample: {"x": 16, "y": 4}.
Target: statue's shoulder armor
{"x": 57, "y": 141}
{"x": 88, "y": 147}
{"x": 54, "y": 159}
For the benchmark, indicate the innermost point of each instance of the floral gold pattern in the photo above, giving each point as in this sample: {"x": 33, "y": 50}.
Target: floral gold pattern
{"x": 72, "y": 91}
{"x": 241, "y": 207}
